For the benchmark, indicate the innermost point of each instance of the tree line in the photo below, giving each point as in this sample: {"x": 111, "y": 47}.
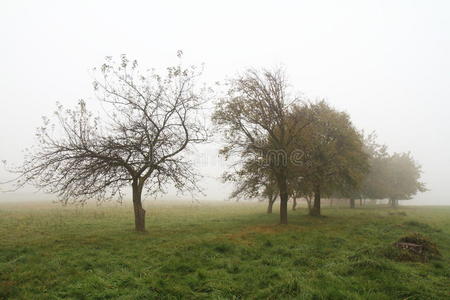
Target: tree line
{"x": 286, "y": 147}
{"x": 291, "y": 148}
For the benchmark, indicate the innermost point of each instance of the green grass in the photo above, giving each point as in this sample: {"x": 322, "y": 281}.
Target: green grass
{"x": 218, "y": 251}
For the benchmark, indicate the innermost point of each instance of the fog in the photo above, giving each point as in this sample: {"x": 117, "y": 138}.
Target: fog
{"x": 386, "y": 63}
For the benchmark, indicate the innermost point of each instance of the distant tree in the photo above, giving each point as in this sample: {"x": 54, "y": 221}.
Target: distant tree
{"x": 373, "y": 185}
{"x": 402, "y": 178}
{"x": 394, "y": 177}
{"x": 153, "y": 119}
{"x": 334, "y": 159}
{"x": 255, "y": 119}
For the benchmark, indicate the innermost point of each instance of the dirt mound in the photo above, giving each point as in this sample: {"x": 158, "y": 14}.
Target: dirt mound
{"x": 414, "y": 247}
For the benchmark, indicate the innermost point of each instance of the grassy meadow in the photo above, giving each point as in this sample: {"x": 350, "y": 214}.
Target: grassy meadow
{"x": 218, "y": 251}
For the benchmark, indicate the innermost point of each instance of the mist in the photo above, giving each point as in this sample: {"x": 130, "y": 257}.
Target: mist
{"x": 385, "y": 63}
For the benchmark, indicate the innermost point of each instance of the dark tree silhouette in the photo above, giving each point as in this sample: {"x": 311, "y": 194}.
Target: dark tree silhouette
{"x": 335, "y": 161}
{"x": 256, "y": 122}
{"x": 151, "y": 121}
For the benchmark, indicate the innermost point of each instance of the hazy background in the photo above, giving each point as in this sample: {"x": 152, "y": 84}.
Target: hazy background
{"x": 387, "y": 63}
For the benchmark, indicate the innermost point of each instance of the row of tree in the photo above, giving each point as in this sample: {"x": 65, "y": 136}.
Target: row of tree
{"x": 296, "y": 149}
{"x": 286, "y": 147}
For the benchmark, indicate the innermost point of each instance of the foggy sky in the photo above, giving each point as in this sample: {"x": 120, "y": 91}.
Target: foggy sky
{"x": 386, "y": 63}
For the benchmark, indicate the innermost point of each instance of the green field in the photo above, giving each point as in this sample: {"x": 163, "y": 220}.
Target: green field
{"x": 218, "y": 251}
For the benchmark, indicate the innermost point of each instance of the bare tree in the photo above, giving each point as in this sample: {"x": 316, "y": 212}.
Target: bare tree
{"x": 152, "y": 120}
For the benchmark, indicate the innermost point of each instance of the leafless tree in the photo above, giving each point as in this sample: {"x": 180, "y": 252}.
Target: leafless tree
{"x": 152, "y": 120}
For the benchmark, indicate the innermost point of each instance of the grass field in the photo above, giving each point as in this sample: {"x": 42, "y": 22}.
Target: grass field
{"x": 218, "y": 251}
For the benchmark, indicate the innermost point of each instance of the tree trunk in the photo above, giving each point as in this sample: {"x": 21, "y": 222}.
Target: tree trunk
{"x": 139, "y": 212}
{"x": 315, "y": 211}
{"x": 352, "y": 203}
{"x": 394, "y": 203}
{"x": 308, "y": 201}
{"x": 283, "y": 208}
{"x": 294, "y": 204}
{"x": 360, "y": 202}
{"x": 282, "y": 186}
{"x": 272, "y": 200}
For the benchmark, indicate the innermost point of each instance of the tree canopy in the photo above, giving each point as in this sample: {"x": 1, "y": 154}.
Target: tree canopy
{"x": 402, "y": 177}
{"x": 255, "y": 120}
{"x": 334, "y": 159}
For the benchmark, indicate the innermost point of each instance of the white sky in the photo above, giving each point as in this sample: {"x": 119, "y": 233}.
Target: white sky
{"x": 387, "y": 63}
